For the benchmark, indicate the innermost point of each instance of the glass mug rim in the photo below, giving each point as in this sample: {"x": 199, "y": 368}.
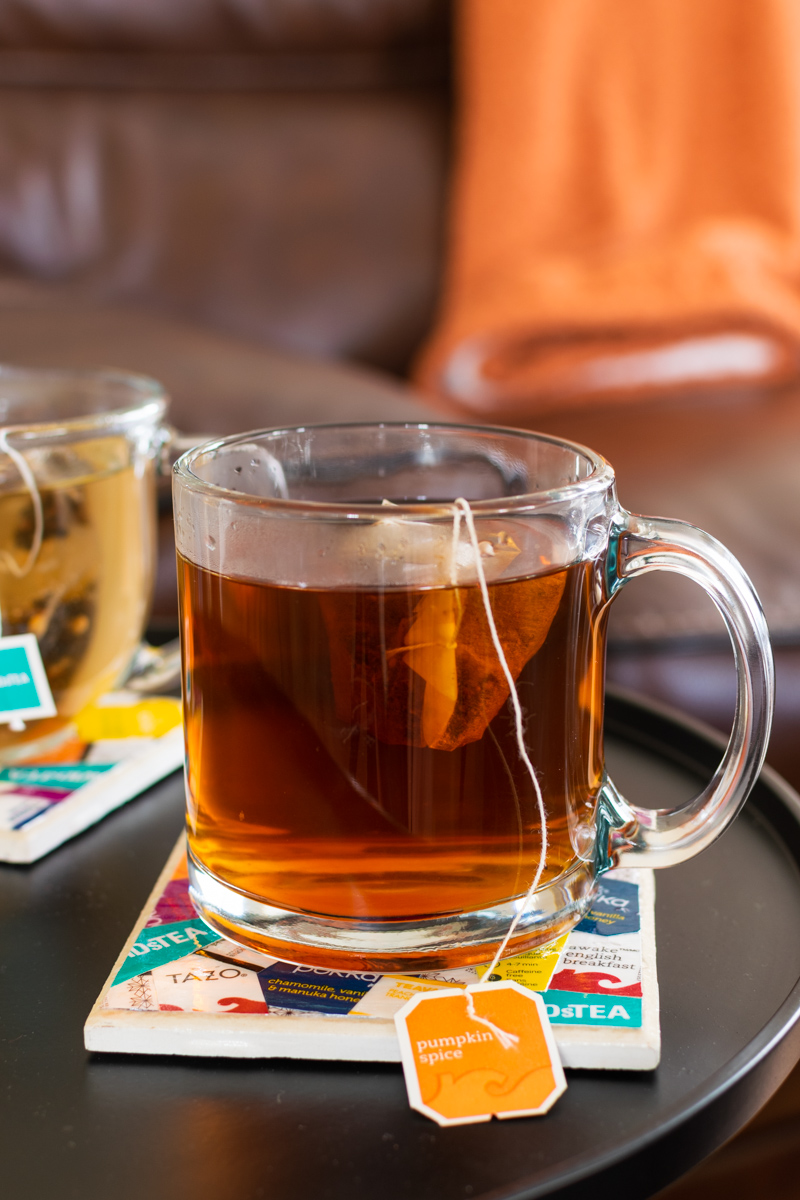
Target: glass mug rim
{"x": 597, "y": 481}
{"x": 148, "y": 402}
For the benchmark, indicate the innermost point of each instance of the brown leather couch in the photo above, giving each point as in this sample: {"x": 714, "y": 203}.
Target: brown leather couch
{"x": 273, "y": 169}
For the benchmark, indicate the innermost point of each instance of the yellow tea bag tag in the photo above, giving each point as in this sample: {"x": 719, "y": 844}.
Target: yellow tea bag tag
{"x": 533, "y": 968}
{"x": 473, "y": 1053}
{"x": 123, "y": 715}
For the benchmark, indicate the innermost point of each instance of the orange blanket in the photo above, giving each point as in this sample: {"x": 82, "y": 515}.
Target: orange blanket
{"x": 626, "y": 205}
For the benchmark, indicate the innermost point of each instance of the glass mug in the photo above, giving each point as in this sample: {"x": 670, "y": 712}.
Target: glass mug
{"x": 357, "y": 795}
{"x": 79, "y": 452}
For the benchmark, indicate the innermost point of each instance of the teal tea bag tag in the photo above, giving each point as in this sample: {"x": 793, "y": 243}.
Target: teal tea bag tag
{"x": 24, "y": 691}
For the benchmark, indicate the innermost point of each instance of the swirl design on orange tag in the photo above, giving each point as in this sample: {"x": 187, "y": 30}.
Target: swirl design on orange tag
{"x": 460, "y": 1068}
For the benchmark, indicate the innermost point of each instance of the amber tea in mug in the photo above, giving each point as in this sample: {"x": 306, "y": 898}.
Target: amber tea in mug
{"x": 356, "y": 795}
{"x": 410, "y": 805}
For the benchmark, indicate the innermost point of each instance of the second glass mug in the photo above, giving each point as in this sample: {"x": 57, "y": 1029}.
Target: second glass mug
{"x": 79, "y": 455}
{"x": 357, "y": 794}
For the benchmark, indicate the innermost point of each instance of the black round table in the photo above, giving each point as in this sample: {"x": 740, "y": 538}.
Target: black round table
{"x": 85, "y": 1127}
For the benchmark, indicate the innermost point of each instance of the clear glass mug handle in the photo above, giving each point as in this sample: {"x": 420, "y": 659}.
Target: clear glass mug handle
{"x": 661, "y": 837}
{"x": 158, "y": 668}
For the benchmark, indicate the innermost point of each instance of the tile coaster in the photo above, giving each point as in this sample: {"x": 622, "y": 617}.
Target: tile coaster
{"x": 123, "y": 744}
{"x": 178, "y": 988}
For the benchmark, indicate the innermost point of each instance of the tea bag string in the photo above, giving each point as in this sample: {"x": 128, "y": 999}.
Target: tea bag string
{"x": 461, "y": 509}
{"x": 21, "y": 463}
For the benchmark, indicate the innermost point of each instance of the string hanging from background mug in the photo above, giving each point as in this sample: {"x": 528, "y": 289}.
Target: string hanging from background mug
{"x": 28, "y": 478}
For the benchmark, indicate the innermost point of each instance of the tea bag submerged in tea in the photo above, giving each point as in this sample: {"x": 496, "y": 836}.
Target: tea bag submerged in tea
{"x": 417, "y": 665}
{"x": 74, "y": 559}
{"x": 464, "y": 684}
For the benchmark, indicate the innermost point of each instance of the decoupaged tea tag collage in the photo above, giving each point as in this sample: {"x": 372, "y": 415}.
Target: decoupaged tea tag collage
{"x": 179, "y": 988}
{"x": 122, "y": 744}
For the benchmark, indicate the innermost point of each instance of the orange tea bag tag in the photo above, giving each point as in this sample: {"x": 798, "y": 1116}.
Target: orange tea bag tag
{"x": 473, "y": 1053}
